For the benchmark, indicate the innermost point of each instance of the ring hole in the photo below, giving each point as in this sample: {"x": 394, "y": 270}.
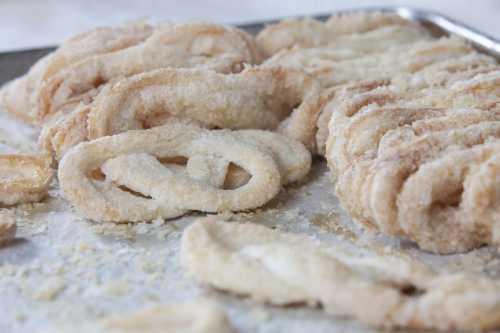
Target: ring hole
{"x": 451, "y": 200}
{"x": 177, "y": 160}
{"x": 411, "y": 291}
{"x": 97, "y": 174}
{"x": 236, "y": 177}
{"x": 98, "y": 81}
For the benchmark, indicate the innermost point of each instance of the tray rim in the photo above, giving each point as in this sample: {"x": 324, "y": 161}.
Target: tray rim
{"x": 442, "y": 21}
{"x": 407, "y": 12}
{"x": 438, "y": 25}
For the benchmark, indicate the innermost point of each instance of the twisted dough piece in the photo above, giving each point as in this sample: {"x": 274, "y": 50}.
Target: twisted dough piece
{"x": 201, "y": 45}
{"x": 281, "y": 99}
{"x": 307, "y": 33}
{"x": 379, "y": 290}
{"x": 138, "y": 187}
{"x": 19, "y": 97}
{"x": 333, "y": 67}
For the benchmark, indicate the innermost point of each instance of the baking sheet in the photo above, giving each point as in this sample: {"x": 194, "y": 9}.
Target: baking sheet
{"x": 63, "y": 270}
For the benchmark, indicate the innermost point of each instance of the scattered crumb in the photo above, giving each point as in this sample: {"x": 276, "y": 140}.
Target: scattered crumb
{"x": 116, "y": 288}
{"x": 49, "y": 289}
{"x": 331, "y": 223}
{"x": 259, "y": 315}
{"x": 114, "y": 230}
{"x": 20, "y": 316}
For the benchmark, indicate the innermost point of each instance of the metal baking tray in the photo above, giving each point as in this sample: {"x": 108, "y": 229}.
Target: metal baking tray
{"x": 14, "y": 64}
{"x": 63, "y": 268}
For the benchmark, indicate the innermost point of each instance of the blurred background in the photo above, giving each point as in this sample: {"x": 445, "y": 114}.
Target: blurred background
{"x": 37, "y": 23}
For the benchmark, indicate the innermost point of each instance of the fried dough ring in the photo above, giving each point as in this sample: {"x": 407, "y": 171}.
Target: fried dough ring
{"x": 332, "y": 99}
{"x": 19, "y": 97}
{"x": 404, "y": 90}
{"x": 370, "y": 188}
{"x": 410, "y": 155}
{"x": 438, "y": 205}
{"x": 201, "y": 45}
{"x": 64, "y": 131}
{"x": 332, "y": 68}
{"x": 481, "y": 91}
{"x": 360, "y": 136}
{"x": 255, "y": 98}
{"x": 430, "y": 92}
{"x": 281, "y": 269}
{"x": 292, "y": 158}
{"x": 105, "y": 201}
{"x": 307, "y": 33}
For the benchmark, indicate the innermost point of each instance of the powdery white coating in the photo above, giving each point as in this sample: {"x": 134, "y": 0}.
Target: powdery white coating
{"x": 380, "y": 290}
